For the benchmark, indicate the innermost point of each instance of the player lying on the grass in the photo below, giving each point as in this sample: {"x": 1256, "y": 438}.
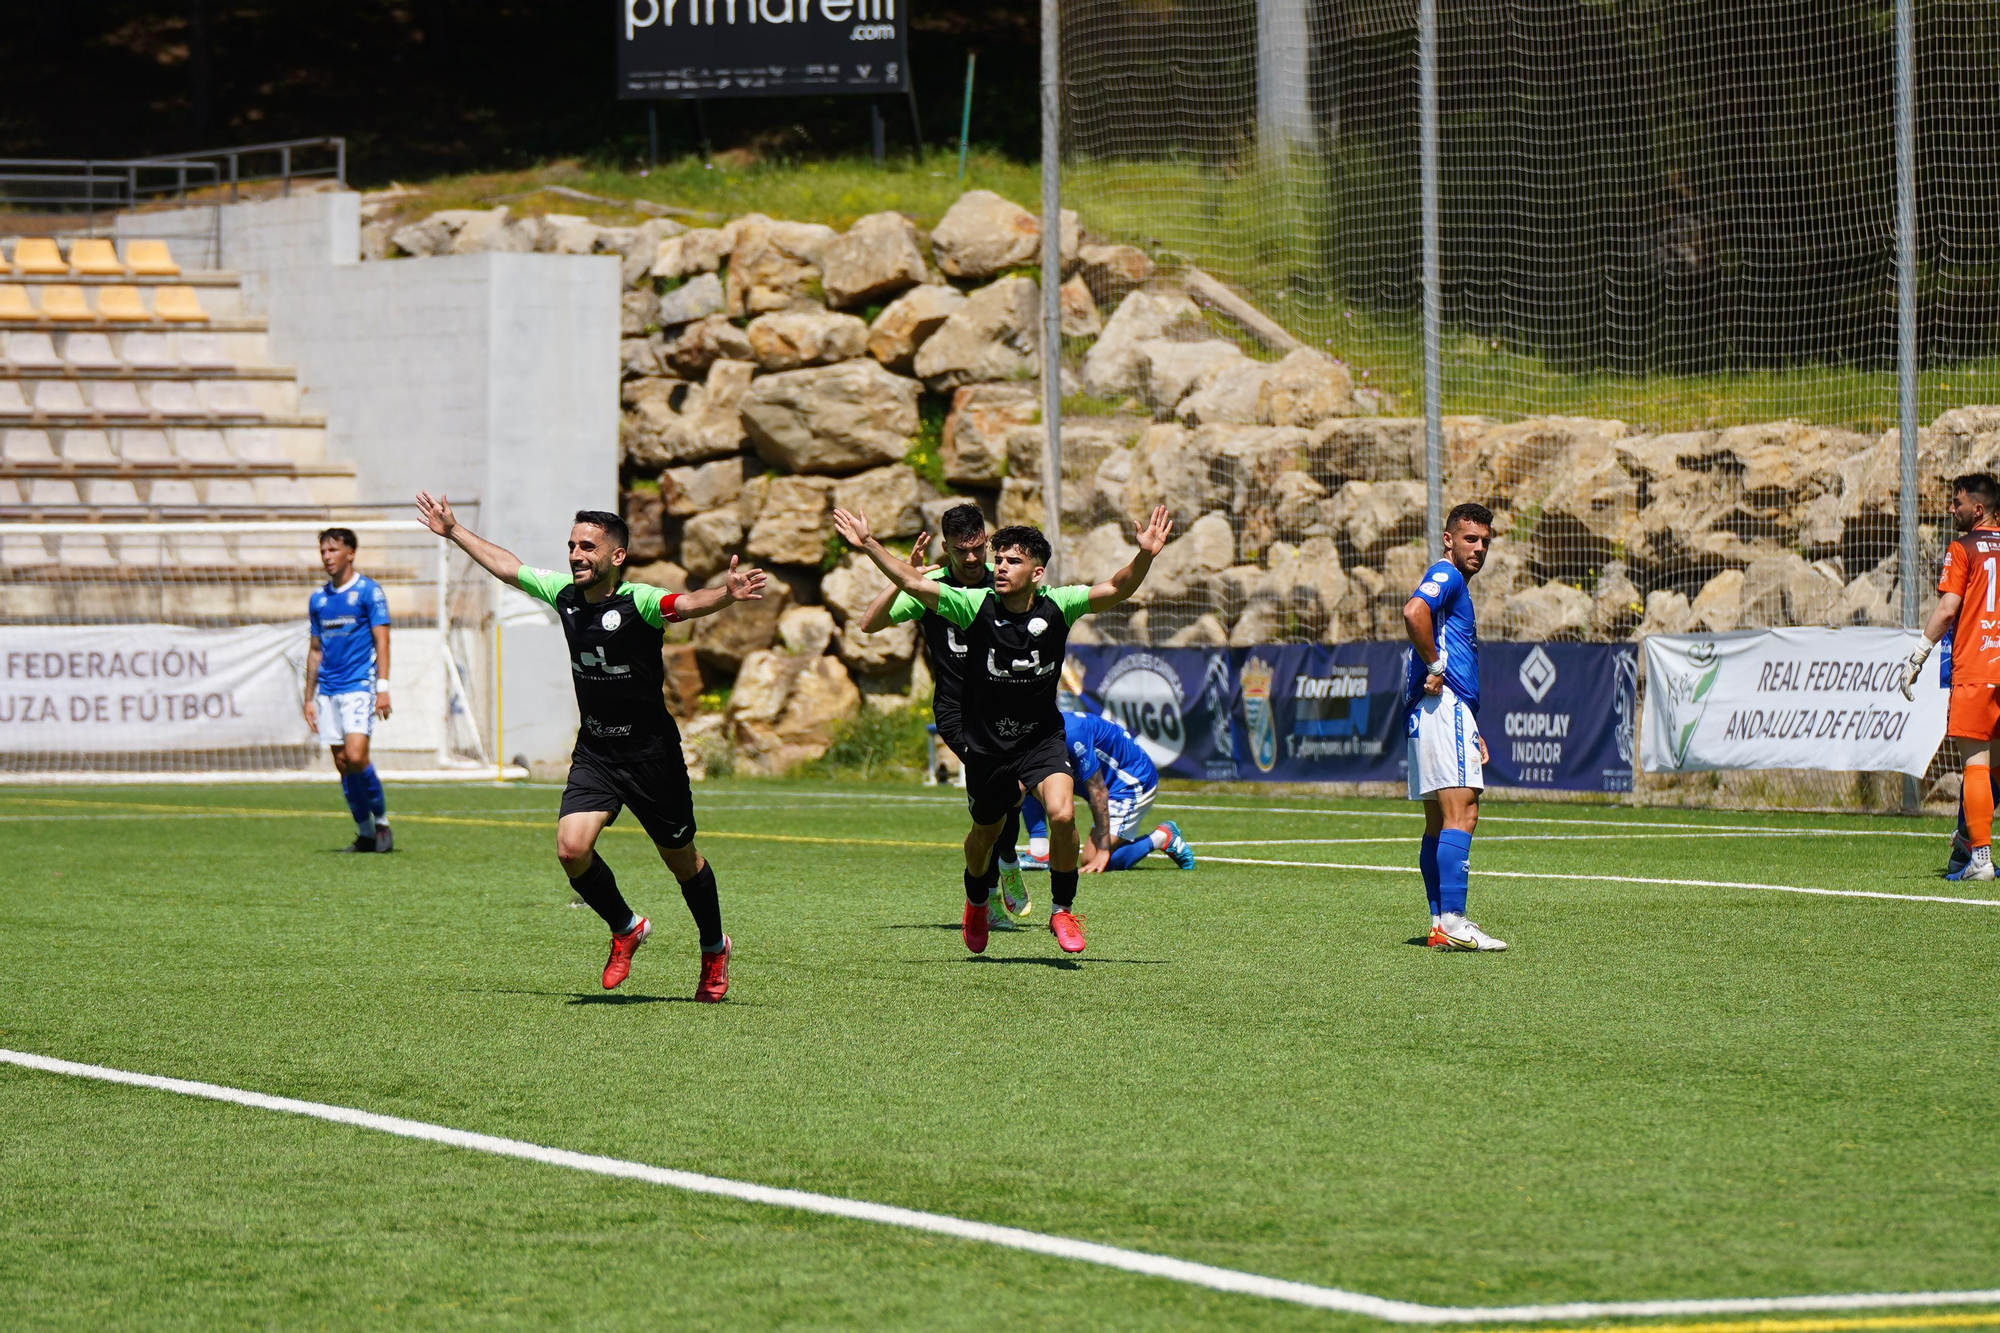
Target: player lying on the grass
{"x": 1119, "y": 784}
{"x": 1441, "y": 703}
{"x": 1016, "y": 634}
{"x": 965, "y": 566}
{"x": 628, "y": 750}
{"x": 347, "y": 682}
{"x": 1967, "y": 590}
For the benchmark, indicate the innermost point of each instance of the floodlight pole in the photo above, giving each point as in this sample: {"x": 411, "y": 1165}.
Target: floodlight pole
{"x": 1427, "y": 135}
{"x": 1052, "y": 284}
{"x": 1907, "y": 554}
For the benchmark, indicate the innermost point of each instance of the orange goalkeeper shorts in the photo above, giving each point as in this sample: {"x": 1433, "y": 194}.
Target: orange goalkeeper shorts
{"x": 1975, "y": 712}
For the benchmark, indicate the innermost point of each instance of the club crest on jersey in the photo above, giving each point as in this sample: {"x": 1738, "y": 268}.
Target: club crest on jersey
{"x": 612, "y": 620}
{"x": 1037, "y": 625}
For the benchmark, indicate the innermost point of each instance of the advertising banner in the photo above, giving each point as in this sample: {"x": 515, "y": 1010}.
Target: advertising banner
{"x": 760, "y": 48}
{"x": 1556, "y": 716}
{"x": 94, "y": 689}
{"x": 1789, "y": 698}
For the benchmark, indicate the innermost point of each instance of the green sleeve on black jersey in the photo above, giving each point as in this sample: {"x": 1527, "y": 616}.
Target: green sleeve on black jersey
{"x": 648, "y": 599}
{"x": 907, "y": 608}
{"x": 1074, "y": 601}
{"x": 960, "y": 605}
{"x": 542, "y": 583}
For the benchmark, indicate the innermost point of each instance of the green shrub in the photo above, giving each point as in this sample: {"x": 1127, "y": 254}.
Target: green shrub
{"x": 874, "y": 744}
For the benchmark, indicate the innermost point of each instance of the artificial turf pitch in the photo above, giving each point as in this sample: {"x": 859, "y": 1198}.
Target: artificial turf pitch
{"x": 1660, "y": 1091}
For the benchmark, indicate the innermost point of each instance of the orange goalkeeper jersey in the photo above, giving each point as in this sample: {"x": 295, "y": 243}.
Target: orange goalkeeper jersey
{"x": 1972, "y": 570}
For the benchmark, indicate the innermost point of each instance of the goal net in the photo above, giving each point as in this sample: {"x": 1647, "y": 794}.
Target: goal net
{"x": 178, "y": 650}
{"x": 1667, "y": 246}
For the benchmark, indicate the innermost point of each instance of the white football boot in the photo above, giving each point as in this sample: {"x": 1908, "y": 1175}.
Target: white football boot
{"x": 1466, "y": 936}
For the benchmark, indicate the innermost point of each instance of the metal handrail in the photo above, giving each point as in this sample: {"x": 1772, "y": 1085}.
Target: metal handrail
{"x": 284, "y": 148}
{"x": 96, "y": 183}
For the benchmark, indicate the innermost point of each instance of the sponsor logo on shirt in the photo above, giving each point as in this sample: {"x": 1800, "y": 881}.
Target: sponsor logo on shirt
{"x": 1432, "y": 587}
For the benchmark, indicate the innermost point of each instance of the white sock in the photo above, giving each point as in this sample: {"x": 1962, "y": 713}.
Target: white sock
{"x": 1436, "y": 920}
{"x": 1982, "y": 856}
{"x": 366, "y": 827}
{"x": 1038, "y": 848}
{"x": 1161, "y": 838}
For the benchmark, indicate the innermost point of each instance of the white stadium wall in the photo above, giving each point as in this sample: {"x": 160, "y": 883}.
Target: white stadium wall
{"x": 492, "y": 377}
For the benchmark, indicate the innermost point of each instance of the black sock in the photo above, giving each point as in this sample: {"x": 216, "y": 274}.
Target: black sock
{"x": 1010, "y": 836}
{"x": 703, "y": 906}
{"x": 1062, "y": 888}
{"x": 977, "y": 890}
{"x": 599, "y": 887}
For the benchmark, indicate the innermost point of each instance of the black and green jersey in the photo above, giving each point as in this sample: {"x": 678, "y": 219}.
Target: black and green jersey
{"x": 614, "y": 660}
{"x": 945, "y": 647}
{"x": 1013, "y": 663}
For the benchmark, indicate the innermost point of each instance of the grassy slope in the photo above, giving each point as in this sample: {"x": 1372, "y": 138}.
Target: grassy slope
{"x": 1662, "y": 1091}
{"x": 1245, "y": 230}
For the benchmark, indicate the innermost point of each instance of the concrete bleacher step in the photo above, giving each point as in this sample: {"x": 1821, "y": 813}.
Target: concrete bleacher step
{"x": 165, "y": 349}
{"x": 165, "y": 446}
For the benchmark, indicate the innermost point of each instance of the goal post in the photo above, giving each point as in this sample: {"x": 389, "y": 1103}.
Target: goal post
{"x": 167, "y": 652}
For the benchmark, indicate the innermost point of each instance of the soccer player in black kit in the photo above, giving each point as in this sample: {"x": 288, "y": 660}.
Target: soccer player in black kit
{"x": 964, "y": 529}
{"x": 628, "y": 750}
{"x": 1015, "y": 634}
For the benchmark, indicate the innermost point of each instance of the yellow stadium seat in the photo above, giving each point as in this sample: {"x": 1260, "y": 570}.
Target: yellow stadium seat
{"x": 151, "y": 259}
{"x": 65, "y": 301}
{"x": 121, "y": 303}
{"x": 178, "y": 303}
{"x": 94, "y": 256}
{"x": 14, "y": 302}
{"x": 38, "y": 254}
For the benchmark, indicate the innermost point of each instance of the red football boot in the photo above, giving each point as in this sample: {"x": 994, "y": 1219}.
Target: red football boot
{"x": 973, "y": 927}
{"x": 619, "y": 965}
{"x": 714, "y": 983}
{"x": 1067, "y": 930}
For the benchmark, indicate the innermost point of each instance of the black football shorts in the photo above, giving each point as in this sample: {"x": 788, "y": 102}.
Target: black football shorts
{"x": 993, "y": 783}
{"x": 654, "y": 787}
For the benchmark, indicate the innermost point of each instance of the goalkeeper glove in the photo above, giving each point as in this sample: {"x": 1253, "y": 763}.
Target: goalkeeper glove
{"x": 1913, "y": 667}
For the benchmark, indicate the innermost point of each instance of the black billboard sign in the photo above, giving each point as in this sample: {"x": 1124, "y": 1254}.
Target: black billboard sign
{"x": 760, "y": 48}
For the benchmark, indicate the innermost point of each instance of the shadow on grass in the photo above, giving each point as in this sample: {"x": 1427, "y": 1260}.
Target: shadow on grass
{"x": 586, "y": 997}
{"x": 1062, "y": 964}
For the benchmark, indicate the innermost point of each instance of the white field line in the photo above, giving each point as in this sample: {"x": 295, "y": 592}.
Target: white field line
{"x": 1543, "y": 819}
{"x": 1034, "y": 1242}
{"x": 1626, "y": 879}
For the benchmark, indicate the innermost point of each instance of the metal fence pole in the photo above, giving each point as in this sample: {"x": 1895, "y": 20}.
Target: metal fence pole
{"x": 1052, "y": 284}
{"x": 1907, "y": 555}
{"x": 340, "y": 161}
{"x": 1427, "y": 149}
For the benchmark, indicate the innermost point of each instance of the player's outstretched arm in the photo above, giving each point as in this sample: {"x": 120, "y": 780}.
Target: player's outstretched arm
{"x": 498, "y": 561}
{"x": 853, "y": 529}
{"x": 743, "y": 585}
{"x": 876, "y": 618}
{"x": 1152, "y": 539}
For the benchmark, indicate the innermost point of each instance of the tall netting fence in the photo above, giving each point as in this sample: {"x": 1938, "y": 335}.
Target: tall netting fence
{"x": 1669, "y": 354}
{"x": 179, "y": 650}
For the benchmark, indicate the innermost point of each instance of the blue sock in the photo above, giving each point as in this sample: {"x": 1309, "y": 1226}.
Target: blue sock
{"x": 355, "y": 788}
{"x": 1427, "y": 861}
{"x": 1454, "y": 852}
{"x": 378, "y": 804}
{"x": 1131, "y": 854}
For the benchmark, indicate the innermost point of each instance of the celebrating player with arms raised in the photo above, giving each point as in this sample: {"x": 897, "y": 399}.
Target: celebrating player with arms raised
{"x": 1446, "y": 751}
{"x": 628, "y": 750}
{"x": 1016, "y": 634}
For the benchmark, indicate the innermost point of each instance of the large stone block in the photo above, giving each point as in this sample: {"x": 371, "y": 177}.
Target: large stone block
{"x": 908, "y": 322}
{"x": 995, "y": 335}
{"x": 1113, "y": 366}
{"x": 833, "y": 419}
{"x": 851, "y": 585}
{"x": 708, "y": 540}
{"x": 877, "y": 258}
{"x": 703, "y": 343}
{"x": 687, "y": 491}
{"x": 982, "y": 416}
{"x": 1113, "y": 272}
{"x": 726, "y": 638}
{"x": 879, "y": 654}
{"x": 1169, "y": 370}
{"x": 697, "y": 298}
{"x": 789, "y": 339}
{"x": 699, "y": 251}
{"x": 1372, "y": 516}
{"x": 792, "y": 527}
{"x": 889, "y": 497}
{"x": 773, "y": 262}
{"x": 705, "y": 424}
{"x": 982, "y": 235}
{"x": 1552, "y": 611}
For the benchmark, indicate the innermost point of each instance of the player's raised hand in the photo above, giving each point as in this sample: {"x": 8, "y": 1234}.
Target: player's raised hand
{"x": 853, "y": 528}
{"x": 746, "y": 585}
{"x": 1154, "y": 537}
{"x": 920, "y": 558}
{"x": 436, "y": 513}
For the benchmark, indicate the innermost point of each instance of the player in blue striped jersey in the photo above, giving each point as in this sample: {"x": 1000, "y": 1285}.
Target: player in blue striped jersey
{"x": 1447, "y": 754}
{"x": 347, "y": 681}
{"x": 1118, "y": 781}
